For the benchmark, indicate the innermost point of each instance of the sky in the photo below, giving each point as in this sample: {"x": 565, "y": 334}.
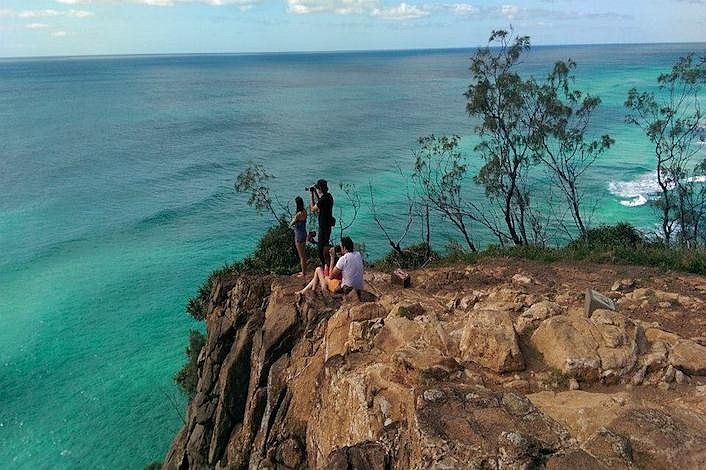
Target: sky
{"x": 96, "y": 27}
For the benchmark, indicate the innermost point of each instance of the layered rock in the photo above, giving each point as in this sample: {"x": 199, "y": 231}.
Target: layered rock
{"x": 472, "y": 370}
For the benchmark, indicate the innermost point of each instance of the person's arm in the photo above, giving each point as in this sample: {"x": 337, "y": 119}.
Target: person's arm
{"x": 295, "y": 219}
{"x": 314, "y": 207}
{"x": 332, "y": 264}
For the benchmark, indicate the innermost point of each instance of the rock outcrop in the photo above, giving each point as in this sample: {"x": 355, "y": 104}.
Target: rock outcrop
{"x": 490, "y": 367}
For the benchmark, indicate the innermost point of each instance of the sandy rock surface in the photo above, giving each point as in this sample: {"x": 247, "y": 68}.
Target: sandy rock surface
{"x": 490, "y": 366}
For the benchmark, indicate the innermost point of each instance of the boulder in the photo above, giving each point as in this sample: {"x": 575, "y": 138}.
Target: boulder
{"x": 533, "y": 316}
{"x": 623, "y": 285}
{"x": 568, "y": 344}
{"x": 396, "y": 333}
{"x": 408, "y": 310}
{"x": 604, "y": 346}
{"x": 489, "y": 339}
{"x": 401, "y": 278}
{"x": 689, "y": 356}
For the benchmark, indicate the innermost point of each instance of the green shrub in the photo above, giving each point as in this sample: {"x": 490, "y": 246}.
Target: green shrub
{"x": 274, "y": 254}
{"x": 187, "y": 378}
{"x": 611, "y": 236}
{"x": 412, "y": 257}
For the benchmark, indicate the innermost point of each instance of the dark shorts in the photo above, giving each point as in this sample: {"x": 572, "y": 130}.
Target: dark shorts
{"x": 299, "y": 236}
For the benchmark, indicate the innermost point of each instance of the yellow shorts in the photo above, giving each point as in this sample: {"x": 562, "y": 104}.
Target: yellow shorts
{"x": 333, "y": 284}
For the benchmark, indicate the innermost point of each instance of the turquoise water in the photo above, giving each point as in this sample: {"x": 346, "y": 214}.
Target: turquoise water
{"x": 116, "y": 200}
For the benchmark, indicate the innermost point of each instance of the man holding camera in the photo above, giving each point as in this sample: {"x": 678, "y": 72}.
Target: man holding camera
{"x": 322, "y": 203}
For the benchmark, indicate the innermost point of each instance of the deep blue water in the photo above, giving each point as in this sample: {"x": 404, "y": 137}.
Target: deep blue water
{"x": 116, "y": 200}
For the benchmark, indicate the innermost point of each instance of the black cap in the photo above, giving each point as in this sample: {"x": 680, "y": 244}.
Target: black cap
{"x": 322, "y": 185}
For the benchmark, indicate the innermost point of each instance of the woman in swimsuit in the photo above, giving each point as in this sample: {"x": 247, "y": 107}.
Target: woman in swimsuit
{"x": 299, "y": 224}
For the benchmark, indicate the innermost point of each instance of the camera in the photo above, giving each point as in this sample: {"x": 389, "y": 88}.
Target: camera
{"x": 310, "y": 188}
{"x": 337, "y": 249}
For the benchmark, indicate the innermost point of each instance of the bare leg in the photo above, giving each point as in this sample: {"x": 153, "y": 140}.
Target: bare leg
{"x": 319, "y": 275}
{"x": 313, "y": 284}
{"x": 302, "y": 257}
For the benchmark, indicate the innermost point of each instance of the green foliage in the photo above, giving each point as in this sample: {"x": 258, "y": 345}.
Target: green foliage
{"x": 412, "y": 257}
{"x": 187, "y": 378}
{"x": 254, "y": 181}
{"x": 671, "y": 120}
{"x": 616, "y": 244}
{"x": 274, "y": 254}
{"x": 439, "y": 173}
{"x": 156, "y": 465}
{"x": 609, "y": 236}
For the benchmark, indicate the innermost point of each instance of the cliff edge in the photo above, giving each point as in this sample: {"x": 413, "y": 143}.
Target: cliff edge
{"x": 490, "y": 366}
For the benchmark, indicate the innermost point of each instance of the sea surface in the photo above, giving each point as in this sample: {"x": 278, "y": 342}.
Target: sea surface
{"x": 116, "y": 200}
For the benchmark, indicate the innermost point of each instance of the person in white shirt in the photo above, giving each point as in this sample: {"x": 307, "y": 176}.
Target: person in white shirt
{"x": 347, "y": 272}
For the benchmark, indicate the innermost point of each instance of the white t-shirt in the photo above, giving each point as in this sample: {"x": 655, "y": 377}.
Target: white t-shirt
{"x": 351, "y": 267}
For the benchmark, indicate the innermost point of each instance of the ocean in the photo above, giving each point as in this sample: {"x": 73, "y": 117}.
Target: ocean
{"x": 116, "y": 200}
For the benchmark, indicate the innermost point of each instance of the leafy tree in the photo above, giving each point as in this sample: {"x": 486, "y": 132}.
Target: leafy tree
{"x": 671, "y": 120}
{"x": 439, "y": 172}
{"x": 561, "y": 143}
{"x": 254, "y": 181}
{"x": 509, "y": 114}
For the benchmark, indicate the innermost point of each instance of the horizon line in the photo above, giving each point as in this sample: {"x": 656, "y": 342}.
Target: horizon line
{"x": 333, "y": 51}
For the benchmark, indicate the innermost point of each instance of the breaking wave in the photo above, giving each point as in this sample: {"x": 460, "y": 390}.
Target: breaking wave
{"x": 641, "y": 190}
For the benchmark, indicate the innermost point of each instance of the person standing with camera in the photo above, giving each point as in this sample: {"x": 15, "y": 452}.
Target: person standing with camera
{"x": 322, "y": 204}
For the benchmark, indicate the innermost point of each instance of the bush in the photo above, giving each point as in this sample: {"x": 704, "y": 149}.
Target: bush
{"x": 187, "y": 378}
{"x": 274, "y": 254}
{"x": 412, "y": 257}
{"x": 611, "y": 236}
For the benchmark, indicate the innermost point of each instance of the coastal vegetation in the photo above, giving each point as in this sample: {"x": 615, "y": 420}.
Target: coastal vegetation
{"x": 526, "y": 127}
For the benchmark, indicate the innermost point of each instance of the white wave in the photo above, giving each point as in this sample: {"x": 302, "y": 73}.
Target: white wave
{"x": 638, "y": 201}
{"x": 642, "y": 187}
{"x": 639, "y": 191}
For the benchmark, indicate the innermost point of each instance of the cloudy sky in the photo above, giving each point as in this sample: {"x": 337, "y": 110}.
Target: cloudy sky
{"x": 69, "y": 27}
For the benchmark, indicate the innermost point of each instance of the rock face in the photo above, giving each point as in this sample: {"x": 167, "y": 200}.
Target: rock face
{"x": 589, "y": 348}
{"x": 482, "y": 369}
{"x": 490, "y": 340}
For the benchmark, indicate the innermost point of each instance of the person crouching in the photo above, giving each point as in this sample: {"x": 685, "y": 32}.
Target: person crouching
{"x": 346, "y": 272}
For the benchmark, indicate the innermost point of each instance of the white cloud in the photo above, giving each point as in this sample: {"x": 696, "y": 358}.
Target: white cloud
{"x": 401, "y": 12}
{"x": 37, "y": 13}
{"x": 49, "y": 13}
{"x": 58, "y": 34}
{"x": 36, "y": 26}
{"x": 510, "y": 11}
{"x": 374, "y": 8}
{"x": 161, "y": 3}
{"x": 341, "y": 7}
{"x": 79, "y": 13}
{"x": 463, "y": 9}
{"x": 515, "y": 12}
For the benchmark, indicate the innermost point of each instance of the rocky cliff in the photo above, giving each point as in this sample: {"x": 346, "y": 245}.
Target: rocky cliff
{"x": 492, "y": 366}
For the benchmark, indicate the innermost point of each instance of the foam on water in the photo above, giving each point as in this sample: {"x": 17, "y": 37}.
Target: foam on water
{"x": 635, "y": 192}
{"x": 642, "y": 189}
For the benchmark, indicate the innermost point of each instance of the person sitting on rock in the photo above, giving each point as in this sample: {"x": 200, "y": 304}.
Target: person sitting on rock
{"x": 347, "y": 272}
